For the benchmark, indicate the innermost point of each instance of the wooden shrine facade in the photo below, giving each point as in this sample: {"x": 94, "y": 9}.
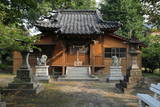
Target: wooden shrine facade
{"x": 79, "y": 38}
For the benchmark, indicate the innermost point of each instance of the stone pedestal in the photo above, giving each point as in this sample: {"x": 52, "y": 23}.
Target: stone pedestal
{"x": 115, "y": 73}
{"x": 131, "y": 80}
{"x": 2, "y": 104}
{"x": 133, "y": 76}
{"x": 42, "y": 73}
{"x": 24, "y": 82}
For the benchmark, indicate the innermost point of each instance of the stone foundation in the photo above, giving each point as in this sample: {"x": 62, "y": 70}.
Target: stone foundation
{"x": 115, "y": 73}
{"x": 131, "y": 80}
{"x": 2, "y": 104}
{"x": 24, "y": 83}
{"x": 42, "y": 73}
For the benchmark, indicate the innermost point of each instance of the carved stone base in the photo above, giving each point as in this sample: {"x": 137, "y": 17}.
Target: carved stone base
{"x": 115, "y": 73}
{"x": 24, "y": 75}
{"x": 131, "y": 80}
{"x": 23, "y": 88}
{"x": 42, "y": 73}
{"x": 24, "y": 83}
{"x": 2, "y": 104}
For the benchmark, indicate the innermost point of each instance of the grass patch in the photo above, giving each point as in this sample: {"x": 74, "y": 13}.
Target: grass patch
{"x": 6, "y": 75}
{"x": 5, "y": 79}
{"x": 49, "y": 97}
{"x": 151, "y": 75}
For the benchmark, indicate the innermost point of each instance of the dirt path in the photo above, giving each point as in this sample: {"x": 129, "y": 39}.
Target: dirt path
{"x": 72, "y": 94}
{"x": 93, "y": 94}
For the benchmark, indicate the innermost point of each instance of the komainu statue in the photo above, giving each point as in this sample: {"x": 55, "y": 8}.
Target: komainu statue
{"x": 116, "y": 61}
{"x": 42, "y": 60}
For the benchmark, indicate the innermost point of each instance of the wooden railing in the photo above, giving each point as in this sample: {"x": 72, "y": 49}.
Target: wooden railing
{"x": 54, "y": 57}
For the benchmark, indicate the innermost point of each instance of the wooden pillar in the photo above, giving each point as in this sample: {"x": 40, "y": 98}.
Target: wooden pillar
{"x": 92, "y": 58}
{"x": 102, "y": 48}
{"x": 64, "y": 58}
{"x": 63, "y": 70}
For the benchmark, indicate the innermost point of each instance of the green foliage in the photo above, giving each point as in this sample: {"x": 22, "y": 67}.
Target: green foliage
{"x": 73, "y": 4}
{"x": 151, "y": 53}
{"x": 151, "y": 8}
{"x": 128, "y": 12}
{"x": 12, "y": 38}
{"x": 14, "y": 10}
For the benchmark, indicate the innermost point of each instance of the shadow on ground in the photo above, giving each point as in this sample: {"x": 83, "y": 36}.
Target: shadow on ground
{"x": 74, "y": 94}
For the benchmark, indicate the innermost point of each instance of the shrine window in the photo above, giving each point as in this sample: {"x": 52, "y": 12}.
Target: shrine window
{"x": 119, "y": 52}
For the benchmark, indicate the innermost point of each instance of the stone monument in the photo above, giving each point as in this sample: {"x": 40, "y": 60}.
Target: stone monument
{"x": 24, "y": 82}
{"x": 115, "y": 70}
{"x": 42, "y": 69}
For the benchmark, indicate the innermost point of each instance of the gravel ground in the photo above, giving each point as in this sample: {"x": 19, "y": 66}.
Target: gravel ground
{"x": 75, "y": 94}
{"x": 94, "y": 94}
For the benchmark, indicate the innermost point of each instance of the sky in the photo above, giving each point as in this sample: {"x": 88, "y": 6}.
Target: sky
{"x": 97, "y": 2}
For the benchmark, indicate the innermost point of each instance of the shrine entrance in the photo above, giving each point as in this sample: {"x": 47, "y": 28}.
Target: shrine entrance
{"x": 78, "y": 55}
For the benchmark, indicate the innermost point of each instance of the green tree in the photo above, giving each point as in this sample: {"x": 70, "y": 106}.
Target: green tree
{"x": 128, "y": 12}
{"x": 73, "y": 4}
{"x": 152, "y": 8}
{"x": 13, "y": 11}
{"x": 151, "y": 53}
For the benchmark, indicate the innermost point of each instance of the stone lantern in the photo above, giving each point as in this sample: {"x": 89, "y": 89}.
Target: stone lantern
{"x": 24, "y": 82}
{"x": 134, "y": 74}
{"x": 134, "y": 52}
{"x": 24, "y": 73}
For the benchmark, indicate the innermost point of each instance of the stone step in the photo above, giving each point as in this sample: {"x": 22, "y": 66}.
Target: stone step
{"x": 77, "y": 68}
{"x": 115, "y": 71}
{"x": 22, "y": 91}
{"x": 22, "y": 85}
{"x": 74, "y": 71}
{"x": 78, "y": 79}
{"x": 77, "y": 73}
{"x": 116, "y": 74}
{"x": 116, "y": 78}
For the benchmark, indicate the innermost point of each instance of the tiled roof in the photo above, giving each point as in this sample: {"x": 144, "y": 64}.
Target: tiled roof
{"x": 76, "y": 22}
